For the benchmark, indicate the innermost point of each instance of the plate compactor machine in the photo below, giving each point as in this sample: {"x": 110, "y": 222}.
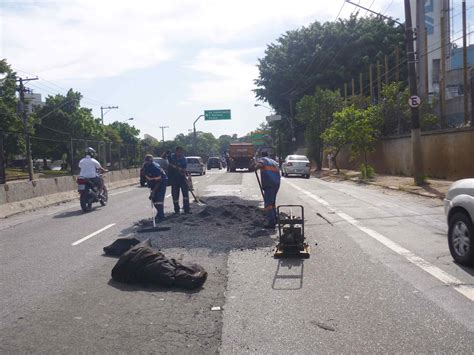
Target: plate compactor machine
{"x": 291, "y": 233}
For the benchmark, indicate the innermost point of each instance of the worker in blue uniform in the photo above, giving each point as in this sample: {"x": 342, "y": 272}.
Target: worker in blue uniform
{"x": 157, "y": 180}
{"x": 270, "y": 176}
{"x": 177, "y": 166}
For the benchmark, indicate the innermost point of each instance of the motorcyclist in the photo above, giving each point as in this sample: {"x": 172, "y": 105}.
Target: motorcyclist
{"x": 157, "y": 182}
{"x": 90, "y": 169}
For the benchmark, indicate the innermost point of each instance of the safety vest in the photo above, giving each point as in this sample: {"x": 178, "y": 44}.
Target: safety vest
{"x": 270, "y": 172}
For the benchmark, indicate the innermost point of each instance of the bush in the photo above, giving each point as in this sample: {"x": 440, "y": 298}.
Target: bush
{"x": 367, "y": 171}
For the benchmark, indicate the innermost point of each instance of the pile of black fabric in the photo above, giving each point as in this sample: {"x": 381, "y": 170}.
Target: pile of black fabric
{"x": 144, "y": 264}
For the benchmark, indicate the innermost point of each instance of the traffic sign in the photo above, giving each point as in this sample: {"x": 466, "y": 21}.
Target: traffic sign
{"x": 273, "y": 118}
{"x": 214, "y": 115}
{"x": 414, "y": 101}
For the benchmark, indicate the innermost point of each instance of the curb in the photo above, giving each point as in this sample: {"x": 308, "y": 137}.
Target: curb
{"x": 14, "y": 208}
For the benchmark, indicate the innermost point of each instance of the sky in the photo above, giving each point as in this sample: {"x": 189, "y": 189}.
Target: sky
{"x": 161, "y": 62}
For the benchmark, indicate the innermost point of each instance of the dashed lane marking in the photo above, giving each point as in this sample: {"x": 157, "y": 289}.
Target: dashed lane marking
{"x": 92, "y": 234}
{"x": 441, "y": 275}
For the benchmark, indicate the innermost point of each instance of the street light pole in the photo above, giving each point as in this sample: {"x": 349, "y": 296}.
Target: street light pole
{"x": 163, "y": 133}
{"x": 194, "y": 134}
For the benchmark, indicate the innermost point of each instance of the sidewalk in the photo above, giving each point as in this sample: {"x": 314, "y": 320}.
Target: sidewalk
{"x": 433, "y": 189}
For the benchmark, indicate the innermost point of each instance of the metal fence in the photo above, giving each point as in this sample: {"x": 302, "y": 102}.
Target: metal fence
{"x": 59, "y": 157}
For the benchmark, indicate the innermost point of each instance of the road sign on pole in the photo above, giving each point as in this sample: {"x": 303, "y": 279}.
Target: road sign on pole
{"x": 214, "y": 115}
{"x": 273, "y": 118}
{"x": 414, "y": 101}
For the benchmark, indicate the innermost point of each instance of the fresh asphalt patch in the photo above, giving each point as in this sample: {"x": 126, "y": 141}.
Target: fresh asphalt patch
{"x": 225, "y": 223}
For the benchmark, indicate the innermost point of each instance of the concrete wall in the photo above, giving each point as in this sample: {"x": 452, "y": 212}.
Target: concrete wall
{"x": 446, "y": 155}
{"x": 20, "y": 196}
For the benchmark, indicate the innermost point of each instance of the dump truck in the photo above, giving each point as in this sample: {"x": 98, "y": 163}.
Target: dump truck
{"x": 241, "y": 156}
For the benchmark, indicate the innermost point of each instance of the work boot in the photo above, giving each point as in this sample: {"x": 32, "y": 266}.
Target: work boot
{"x": 176, "y": 208}
{"x": 269, "y": 226}
{"x": 187, "y": 212}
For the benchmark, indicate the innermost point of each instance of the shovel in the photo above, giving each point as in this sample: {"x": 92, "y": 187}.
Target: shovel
{"x": 191, "y": 189}
{"x": 155, "y": 228}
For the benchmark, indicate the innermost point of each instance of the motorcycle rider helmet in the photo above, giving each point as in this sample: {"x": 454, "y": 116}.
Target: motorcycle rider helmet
{"x": 90, "y": 151}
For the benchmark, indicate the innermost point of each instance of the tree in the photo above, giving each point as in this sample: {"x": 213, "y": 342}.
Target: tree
{"x": 338, "y": 134}
{"x": 128, "y": 133}
{"x": 316, "y": 113}
{"x": 356, "y": 127}
{"x": 60, "y": 119}
{"x": 323, "y": 55}
{"x": 10, "y": 121}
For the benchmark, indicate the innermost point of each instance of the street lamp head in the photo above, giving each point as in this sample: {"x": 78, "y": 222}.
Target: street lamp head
{"x": 131, "y": 119}
{"x": 256, "y": 105}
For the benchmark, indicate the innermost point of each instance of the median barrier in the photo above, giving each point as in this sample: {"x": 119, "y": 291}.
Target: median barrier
{"x": 21, "y": 196}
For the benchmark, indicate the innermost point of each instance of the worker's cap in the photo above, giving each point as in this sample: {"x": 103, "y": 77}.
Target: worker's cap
{"x": 148, "y": 157}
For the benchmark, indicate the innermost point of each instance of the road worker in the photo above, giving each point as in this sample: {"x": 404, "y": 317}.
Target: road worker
{"x": 270, "y": 177}
{"x": 178, "y": 176}
{"x": 157, "y": 180}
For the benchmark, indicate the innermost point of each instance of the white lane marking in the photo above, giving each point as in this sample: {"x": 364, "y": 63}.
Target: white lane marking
{"x": 441, "y": 275}
{"x": 122, "y": 192}
{"x": 92, "y": 234}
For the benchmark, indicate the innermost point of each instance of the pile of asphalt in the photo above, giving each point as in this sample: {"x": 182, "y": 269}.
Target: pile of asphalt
{"x": 223, "y": 223}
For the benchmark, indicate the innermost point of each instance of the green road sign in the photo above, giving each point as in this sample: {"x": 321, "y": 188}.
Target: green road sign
{"x": 214, "y": 115}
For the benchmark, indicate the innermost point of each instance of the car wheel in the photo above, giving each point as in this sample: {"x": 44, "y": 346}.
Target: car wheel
{"x": 307, "y": 176}
{"x": 461, "y": 239}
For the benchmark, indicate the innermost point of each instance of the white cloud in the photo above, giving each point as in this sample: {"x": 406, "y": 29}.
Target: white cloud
{"x": 228, "y": 75}
{"x": 91, "y": 38}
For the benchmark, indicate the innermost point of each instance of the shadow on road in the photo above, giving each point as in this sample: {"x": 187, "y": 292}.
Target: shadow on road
{"x": 288, "y": 275}
{"x": 69, "y": 214}
{"x": 149, "y": 288}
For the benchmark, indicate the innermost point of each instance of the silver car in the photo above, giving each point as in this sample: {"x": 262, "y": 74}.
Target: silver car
{"x": 196, "y": 165}
{"x": 296, "y": 165}
{"x": 459, "y": 210}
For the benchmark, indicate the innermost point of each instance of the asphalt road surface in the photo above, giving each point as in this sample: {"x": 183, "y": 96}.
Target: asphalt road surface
{"x": 380, "y": 277}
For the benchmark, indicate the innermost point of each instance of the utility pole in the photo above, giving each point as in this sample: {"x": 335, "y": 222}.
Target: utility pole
{"x": 379, "y": 83}
{"x": 371, "y": 84}
{"x": 442, "y": 78}
{"x": 465, "y": 65}
{"x": 163, "y": 133}
{"x": 420, "y": 48}
{"x": 26, "y": 131}
{"x": 415, "y": 117}
{"x": 361, "y": 85}
{"x": 386, "y": 69}
{"x": 397, "y": 64}
{"x": 102, "y": 114}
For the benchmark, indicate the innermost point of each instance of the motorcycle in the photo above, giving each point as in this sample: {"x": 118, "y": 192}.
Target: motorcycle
{"x": 89, "y": 193}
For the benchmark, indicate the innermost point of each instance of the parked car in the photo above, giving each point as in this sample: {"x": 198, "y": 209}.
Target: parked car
{"x": 196, "y": 165}
{"x": 163, "y": 163}
{"x": 214, "y": 162}
{"x": 459, "y": 210}
{"x": 296, "y": 165}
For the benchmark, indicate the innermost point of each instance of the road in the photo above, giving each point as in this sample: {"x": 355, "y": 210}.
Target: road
{"x": 380, "y": 277}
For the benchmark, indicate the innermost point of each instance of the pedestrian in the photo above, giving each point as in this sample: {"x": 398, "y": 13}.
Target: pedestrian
{"x": 330, "y": 158}
{"x": 270, "y": 176}
{"x": 177, "y": 166}
{"x": 227, "y": 161}
{"x": 157, "y": 180}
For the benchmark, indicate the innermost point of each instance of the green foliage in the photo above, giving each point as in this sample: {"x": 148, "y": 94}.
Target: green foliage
{"x": 128, "y": 134}
{"x": 366, "y": 171}
{"x": 323, "y": 55}
{"x": 358, "y": 127}
{"x": 396, "y": 114}
{"x": 316, "y": 113}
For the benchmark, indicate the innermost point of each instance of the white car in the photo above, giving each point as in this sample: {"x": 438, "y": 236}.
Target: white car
{"x": 296, "y": 165}
{"x": 195, "y": 165}
{"x": 459, "y": 210}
